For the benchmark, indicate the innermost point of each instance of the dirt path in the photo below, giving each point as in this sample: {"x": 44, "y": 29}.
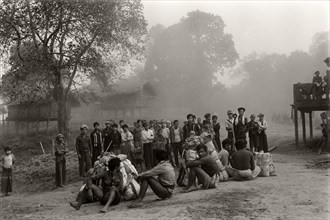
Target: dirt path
{"x": 298, "y": 192}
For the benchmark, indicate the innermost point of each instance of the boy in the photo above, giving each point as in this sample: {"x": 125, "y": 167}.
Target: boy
{"x": 240, "y": 125}
{"x": 147, "y": 139}
{"x": 176, "y": 137}
{"x": 216, "y": 129}
{"x": 84, "y": 151}
{"x": 60, "y": 157}
{"x": 190, "y": 126}
{"x": 97, "y": 142}
{"x": 205, "y": 169}
{"x": 7, "y": 162}
{"x": 163, "y": 185}
{"x": 224, "y": 152}
{"x": 230, "y": 127}
{"x": 253, "y": 134}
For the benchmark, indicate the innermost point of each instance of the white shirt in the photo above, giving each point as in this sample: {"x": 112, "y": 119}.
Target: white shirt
{"x": 166, "y": 133}
{"x": 229, "y": 123}
{"x": 177, "y": 137}
{"x": 8, "y": 161}
{"x": 147, "y": 136}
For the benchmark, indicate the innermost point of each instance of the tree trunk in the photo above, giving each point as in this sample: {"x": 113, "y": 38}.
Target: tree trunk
{"x": 62, "y": 101}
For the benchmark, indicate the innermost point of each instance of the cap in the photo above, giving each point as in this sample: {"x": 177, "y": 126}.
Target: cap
{"x": 60, "y": 136}
{"x": 261, "y": 115}
{"x": 229, "y": 112}
{"x": 241, "y": 108}
{"x": 107, "y": 122}
{"x": 84, "y": 126}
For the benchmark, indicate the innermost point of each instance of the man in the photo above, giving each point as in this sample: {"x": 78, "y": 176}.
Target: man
{"x": 120, "y": 127}
{"x": 190, "y": 126}
{"x": 166, "y": 135}
{"x": 115, "y": 139}
{"x": 240, "y": 125}
{"x": 253, "y": 128}
{"x": 163, "y": 186}
{"x": 216, "y": 129}
{"x": 200, "y": 122}
{"x": 84, "y": 151}
{"x": 97, "y": 142}
{"x": 147, "y": 136}
{"x": 106, "y": 135}
{"x": 230, "y": 128}
{"x": 263, "y": 143}
{"x": 242, "y": 163}
{"x": 205, "y": 169}
{"x": 207, "y": 117}
{"x": 176, "y": 137}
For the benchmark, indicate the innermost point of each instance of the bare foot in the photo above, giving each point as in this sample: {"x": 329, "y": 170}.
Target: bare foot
{"x": 104, "y": 210}
{"x": 190, "y": 189}
{"x": 76, "y": 206}
{"x": 136, "y": 204}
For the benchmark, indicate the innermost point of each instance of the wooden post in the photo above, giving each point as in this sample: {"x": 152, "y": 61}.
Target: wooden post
{"x": 37, "y": 129}
{"x": 8, "y": 127}
{"x": 296, "y": 126}
{"x": 47, "y": 126}
{"x": 16, "y": 127}
{"x": 310, "y": 125}
{"x": 3, "y": 124}
{"x": 303, "y": 120}
{"x": 27, "y": 127}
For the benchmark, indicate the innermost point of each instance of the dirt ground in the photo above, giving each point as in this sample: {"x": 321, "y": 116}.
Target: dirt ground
{"x": 300, "y": 191}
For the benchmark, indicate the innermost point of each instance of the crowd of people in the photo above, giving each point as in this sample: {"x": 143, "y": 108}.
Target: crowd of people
{"x": 155, "y": 148}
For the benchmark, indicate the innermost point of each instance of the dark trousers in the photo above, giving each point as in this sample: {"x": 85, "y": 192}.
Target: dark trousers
{"x": 177, "y": 148}
{"x": 96, "y": 152}
{"x": 254, "y": 142}
{"x": 60, "y": 175}
{"x": 85, "y": 162}
{"x": 6, "y": 180}
{"x": 218, "y": 142}
{"x": 263, "y": 144}
{"x": 169, "y": 152}
{"x": 148, "y": 155}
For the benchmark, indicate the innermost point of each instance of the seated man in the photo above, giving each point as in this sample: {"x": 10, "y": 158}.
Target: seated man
{"x": 205, "y": 169}
{"x": 224, "y": 152}
{"x": 163, "y": 187}
{"x": 242, "y": 163}
{"x": 112, "y": 188}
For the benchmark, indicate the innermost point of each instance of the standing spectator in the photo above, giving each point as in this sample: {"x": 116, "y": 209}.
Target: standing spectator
{"x": 190, "y": 126}
{"x": 120, "y": 127}
{"x": 115, "y": 138}
{"x": 216, "y": 129}
{"x": 7, "y": 164}
{"x": 253, "y": 127}
{"x": 60, "y": 164}
{"x": 240, "y": 125}
{"x": 200, "y": 122}
{"x": 138, "y": 145}
{"x": 166, "y": 135}
{"x": 147, "y": 139}
{"x": 263, "y": 144}
{"x": 127, "y": 140}
{"x": 230, "y": 128}
{"x": 176, "y": 137}
{"x": 317, "y": 85}
{"x": 106, "y": 135}
{"x": 97, "y": 142}
{"x": 84, "y": 151}
{"x": 207, "y": 117}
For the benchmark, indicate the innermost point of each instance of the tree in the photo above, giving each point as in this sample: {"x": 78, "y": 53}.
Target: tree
{"x": 186, "y": 55}
{"x": 73, "y": 40}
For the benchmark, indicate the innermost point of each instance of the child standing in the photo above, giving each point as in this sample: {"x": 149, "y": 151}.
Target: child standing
{"x": 7, "y": 162}
{"x": 60, "y": 157}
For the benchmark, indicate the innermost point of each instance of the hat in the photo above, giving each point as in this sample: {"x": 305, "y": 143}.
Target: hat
{"x": 229, "y": 112}
{"x": 60, "y": 136}
{"x": 190, "y": 115}
{"x": 107, "y": 122}
{"x": 84, "y": 126}
{"x": 192, "y": 132}
{"x": 241, "y": 108}
{"x": 327, "y": 60}
{"x": 261, "y": 115}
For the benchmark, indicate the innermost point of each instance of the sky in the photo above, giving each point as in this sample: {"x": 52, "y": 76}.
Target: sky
{"x": 256, "y": 26}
